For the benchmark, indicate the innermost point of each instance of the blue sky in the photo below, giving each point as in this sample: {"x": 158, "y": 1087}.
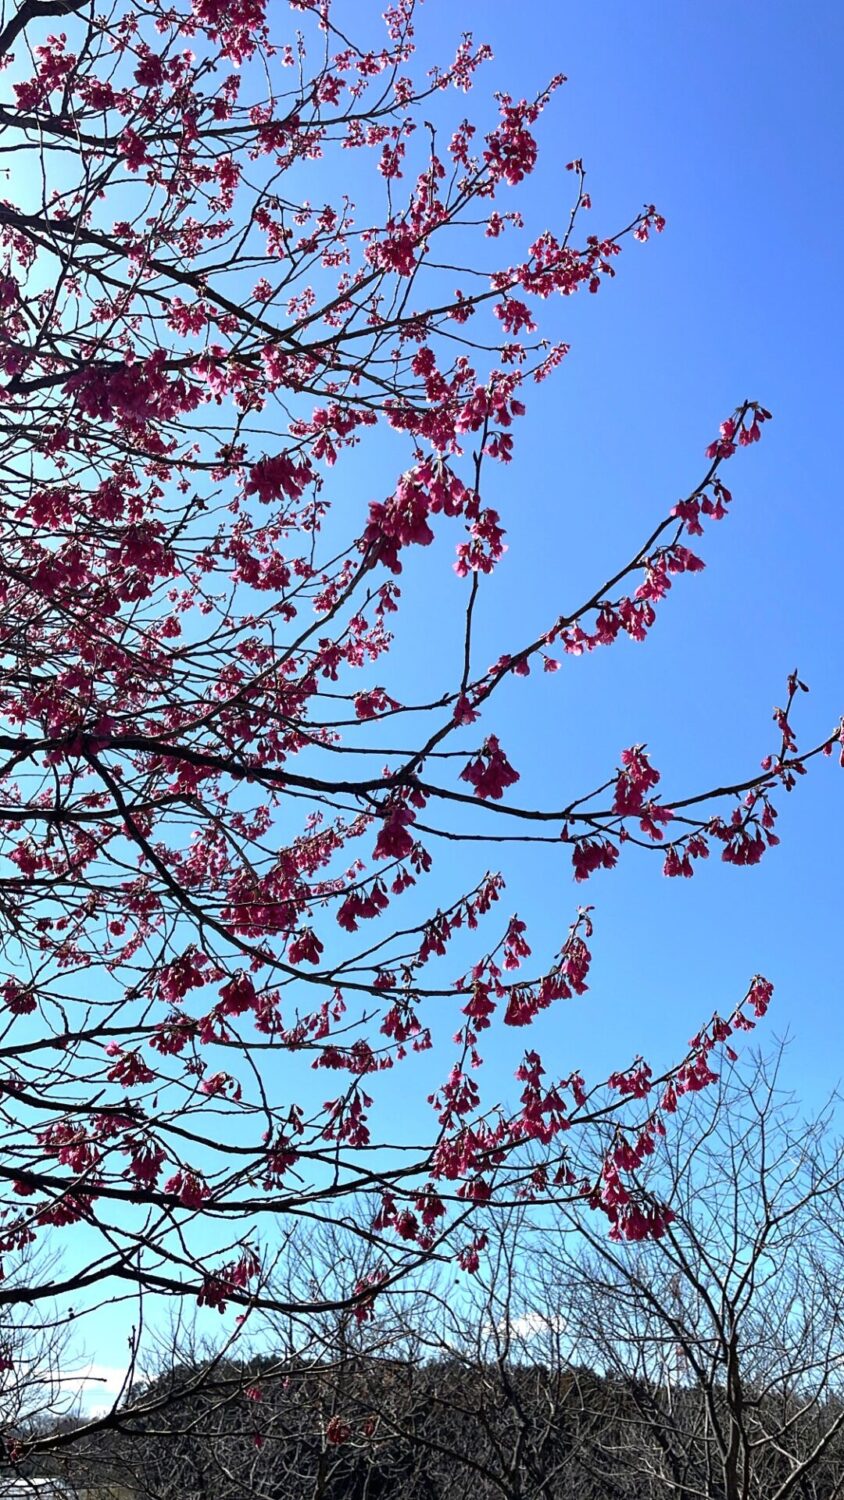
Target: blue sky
{"x": 726, "y": 118}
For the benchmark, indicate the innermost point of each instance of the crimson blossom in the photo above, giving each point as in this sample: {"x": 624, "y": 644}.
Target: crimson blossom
{"x": 213, "y": 811}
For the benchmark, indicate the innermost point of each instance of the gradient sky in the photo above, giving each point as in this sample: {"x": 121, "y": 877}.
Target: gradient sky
{"x": 726, "y": 118}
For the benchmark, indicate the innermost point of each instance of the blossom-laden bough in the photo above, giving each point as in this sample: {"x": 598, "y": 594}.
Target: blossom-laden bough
{"x": 212, "y": 809}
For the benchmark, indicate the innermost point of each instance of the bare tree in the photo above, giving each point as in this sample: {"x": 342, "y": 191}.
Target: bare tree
{"x": 39, "y": 1372}
{"x": 456, "y": 1387}
{"x": 728, "y": 1332}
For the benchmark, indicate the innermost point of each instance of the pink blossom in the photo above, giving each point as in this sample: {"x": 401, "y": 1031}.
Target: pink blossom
{"x": 490, "y": 773}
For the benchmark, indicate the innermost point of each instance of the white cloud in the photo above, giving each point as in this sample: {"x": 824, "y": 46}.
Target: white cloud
{"x": 534, "y": 1323}
{"x": 95, "y": 1382}
{"x": 530, "y": 1325}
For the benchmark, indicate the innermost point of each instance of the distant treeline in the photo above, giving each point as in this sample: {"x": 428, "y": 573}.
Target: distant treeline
{"x": 384, "y": 1429}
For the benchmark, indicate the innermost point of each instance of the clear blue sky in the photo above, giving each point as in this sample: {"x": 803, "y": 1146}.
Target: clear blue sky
{"x": 725, "y": 117}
